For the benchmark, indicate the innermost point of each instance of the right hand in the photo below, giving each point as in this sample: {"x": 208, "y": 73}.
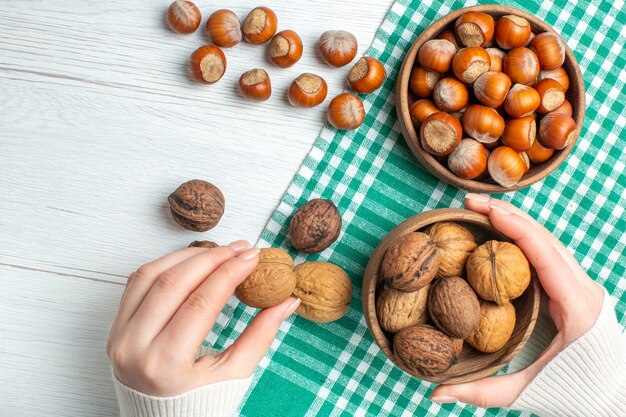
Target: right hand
{"x": 575, "y": 301}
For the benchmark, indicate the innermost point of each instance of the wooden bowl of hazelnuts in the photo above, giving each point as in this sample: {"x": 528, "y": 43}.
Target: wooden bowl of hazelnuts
{"x": 490, "y": 99}
{"x": 448, "y": 298}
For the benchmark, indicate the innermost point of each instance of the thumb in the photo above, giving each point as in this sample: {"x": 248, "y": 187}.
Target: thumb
{"x": 241, "y": 358}
{"x": 493, "y": 391}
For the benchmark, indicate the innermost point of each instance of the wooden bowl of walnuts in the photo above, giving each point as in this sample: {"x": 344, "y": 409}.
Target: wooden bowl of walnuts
{"x": 449, "y": 299}
{"x": 490, "y": 99}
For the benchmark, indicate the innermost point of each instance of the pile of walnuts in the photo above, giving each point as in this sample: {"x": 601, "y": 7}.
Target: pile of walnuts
{"x": 441, "y": 287}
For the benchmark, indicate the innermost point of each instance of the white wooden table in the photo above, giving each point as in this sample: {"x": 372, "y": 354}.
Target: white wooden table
{"x": 99, "y": 122}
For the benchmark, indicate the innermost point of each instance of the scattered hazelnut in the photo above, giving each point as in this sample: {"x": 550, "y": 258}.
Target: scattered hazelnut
{"x": 308, "y": 90}
{"x": 224, "y": 28}
{"x": 337, "y": 47}
{"x": 183, "y": 17}
{"x": 346, "y": 112}
{"x": 208, "y": 64}
{"x": 367, "y": 75}
{"x": 440, "y": 133}
{"x": 260, "y": 25}
{"x": 255, "y": 85}
{"x": 285, "y": 48}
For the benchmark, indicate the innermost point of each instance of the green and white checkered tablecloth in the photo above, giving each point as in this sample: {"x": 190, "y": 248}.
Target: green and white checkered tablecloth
{"x": 336, "y": 369}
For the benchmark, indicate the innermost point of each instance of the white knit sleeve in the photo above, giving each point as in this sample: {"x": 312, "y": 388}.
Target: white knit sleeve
{"x": 220, "y": 399}
{"x": 587, "y": 378}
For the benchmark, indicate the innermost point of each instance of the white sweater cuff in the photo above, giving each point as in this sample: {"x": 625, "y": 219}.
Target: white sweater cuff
{"x": 587, "y": 378}
{"x": 219, "y": 399}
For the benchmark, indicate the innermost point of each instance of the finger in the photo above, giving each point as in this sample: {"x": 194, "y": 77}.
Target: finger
{"x": 554, "y": 273}
{"x": 480, "y": 204}
{"x": 171, "y": 289}
{"x": 194, "y": 319}
{"x": 243, "y": 356}
{"x": 493, "y": 391}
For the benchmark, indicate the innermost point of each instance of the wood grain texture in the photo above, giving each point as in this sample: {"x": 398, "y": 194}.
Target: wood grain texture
{"x": 99, "y": 123}
{"x": 575, "y": 94}
{"x": 472, "y": 365}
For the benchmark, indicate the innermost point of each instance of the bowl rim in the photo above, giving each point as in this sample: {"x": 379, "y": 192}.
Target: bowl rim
{"x": 428, "y": 161}
{"x": 370, "y": 283}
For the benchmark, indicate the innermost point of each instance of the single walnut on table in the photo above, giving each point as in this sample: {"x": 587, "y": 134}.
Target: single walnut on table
{"x": 272, "y": 282}
{"x": 397, "y": 310}
{"x": 325, "y": 291}
{"x": 410, "y": 263}
{"x": 498, "y": 271}
{"x": 197, "y": 205}
{"x": 207, "y": 244}
{"x": 315, "y": 226}
{"x": 454, "y": 244}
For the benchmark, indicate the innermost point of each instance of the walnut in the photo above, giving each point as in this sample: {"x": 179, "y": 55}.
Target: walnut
{"x": 203, "y": 244}
{"x": 454, "y": 307}
{"x": 454, "y": 245}
{"x": 425, "y": 350}
{"x": 397, "y": 310}
{"x": 498, "y": 271}
{"x": 495, "y": 328}
{"x": 410, "y": 263}
{"x": 272, "y": 282}
{"x": 197, "y": 205}
{"x": 315, "y": 226}
{"x": 458, "y": 346}
{"x": 325, "y": 291}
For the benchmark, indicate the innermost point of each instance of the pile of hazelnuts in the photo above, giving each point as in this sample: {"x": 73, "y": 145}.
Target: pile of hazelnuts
{"x": 336, "y": 47}
{"x": 481, "y": 87}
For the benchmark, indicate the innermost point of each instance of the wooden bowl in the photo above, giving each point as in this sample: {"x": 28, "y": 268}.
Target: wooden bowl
{"x": 575, "y": 94}
{"x": 472, "y": 364}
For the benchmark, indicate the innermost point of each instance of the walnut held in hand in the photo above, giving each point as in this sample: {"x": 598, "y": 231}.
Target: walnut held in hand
{"x": 207, "y": 244}
{"x": 325, "y": 291}
{"x": 454, "y": 307}
{"x": 197, "y": 205}
{"x": 454, "y": 244}
{"x": 410, "y": 263}
{"x": 271, "y": 283}
{"x": 498, "y": 271}
{"x": 397, "y": 310}
{"x": 425, "y": 350}
{"x": 315, "y": 226}
{"x": 495, "y": 328}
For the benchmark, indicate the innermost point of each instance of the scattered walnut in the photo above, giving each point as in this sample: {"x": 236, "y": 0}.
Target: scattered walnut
{"x": 272, "y": 282}
{"x": 325, "y": 291}
{"x": 454, "y": 244}
{"x": 454, "y": 307}
{"x": 410, "y": 263}
{"x": 496, "y": 327}
{"x": 197, "y": 205}
{"x": 203, "y": 244}
{"x": 498, "y": 271}
{"x": 425, "y": 350}
{"x": 397, "y": 310}
{"x": 315, "y": 226}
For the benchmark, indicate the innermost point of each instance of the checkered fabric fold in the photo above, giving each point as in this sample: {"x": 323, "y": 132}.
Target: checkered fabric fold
{"x": 336, "y": 369}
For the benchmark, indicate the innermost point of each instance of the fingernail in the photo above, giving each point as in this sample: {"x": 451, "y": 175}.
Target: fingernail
{"x": 443, "y": 399}
{"x": 239, "y": 245}
{"x": 292, "y": 307}
{"x": 499, "y": 209}
{"x": 477, "y": 197}
{"x": 249, "y": 254}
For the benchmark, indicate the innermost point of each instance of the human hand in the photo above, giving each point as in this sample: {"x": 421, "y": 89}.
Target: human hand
{"x": 168, "y": 308}
{"x": 575, "y": 301}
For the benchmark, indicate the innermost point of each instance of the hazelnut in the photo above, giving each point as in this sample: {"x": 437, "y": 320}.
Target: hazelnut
{"x": 491, "y": 88}
{"x": 512, "y": 31}
{"x": 539, "y": 153}
{"x": 396, "y": 310}
{"x": 440, "y": 133}
{"x": 422, "y": 82}
{"x": 454, "y": 307}
{"x": 183, "y": 17}
{"x": 346, "y": 112}
{"x": 551, "y": 94}
{"x": 420, "y": 110}
{"x": 271, "y": 283}
{"x": 565, "y": 108}
{"x": 449, "y": 35}
{"x": 495, "y": 328}
{"x": 468, "y": 160}
{"x": 521, "y": 101}
{"x": 308, "y": 90}
{"x": 260, "y": 25}
{"x": 505, "y": 166}
{"x": 424, "y": 350}
{"x": 224, "y": 28}
{"x": 498, "y": 271}
{"x": 559, "y": 75}
{"x": 315, "y": 226}
{"x": 337, "y": 47}
{"x": 483, "y": 123}
{"x": 454, "y": 244}
{"x": 325, "y": 291}
{"x": 197, "y": 205}
{"x": 285, "y": 49}
{"x": 436, "y": 55}
{"x": 521, "y": 65}
{"x": 208, "y": 64}
{"x": 556, "y": 130}
{"x": 450, "y": 94}
{"x": 367, "y": 75}
{"x": 550, "y": 50}
{"x": 469, "y": 63}
{"x": 520, "y": 134}
{"x": 410, "y": 263}
{"x": 497, "y": 56}
{"x": 474, "y": 28}
{"x": 255, "y": 85}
